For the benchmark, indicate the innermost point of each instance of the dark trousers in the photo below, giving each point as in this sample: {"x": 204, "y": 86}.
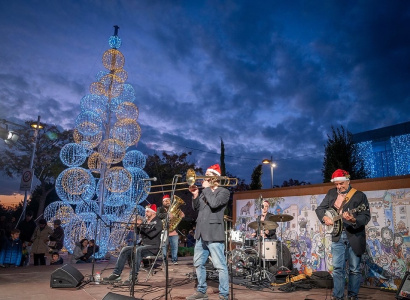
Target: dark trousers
{"x": 39, "y": 258}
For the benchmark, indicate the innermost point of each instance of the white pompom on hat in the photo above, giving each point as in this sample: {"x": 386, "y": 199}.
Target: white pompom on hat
{"x": 215, "y": 169}
{"x": 340, "y": 175}
{"x": 151, "y": 207}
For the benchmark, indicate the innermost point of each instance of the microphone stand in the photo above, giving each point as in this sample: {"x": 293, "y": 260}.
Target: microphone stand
{"x": 98, "y": 219}
{"x": 134, "y": 247}
{"x": 173, "y": 187}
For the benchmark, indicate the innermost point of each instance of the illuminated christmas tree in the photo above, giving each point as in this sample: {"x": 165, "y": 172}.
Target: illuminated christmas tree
{"x": 112, "y": 186}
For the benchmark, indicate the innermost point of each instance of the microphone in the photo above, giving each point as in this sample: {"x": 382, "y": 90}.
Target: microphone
{"x": 150, "y": 179}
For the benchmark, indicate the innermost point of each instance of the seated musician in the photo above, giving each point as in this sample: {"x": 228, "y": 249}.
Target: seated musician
{"x": 150, "y": 233}
{"x": 268, "y": 234}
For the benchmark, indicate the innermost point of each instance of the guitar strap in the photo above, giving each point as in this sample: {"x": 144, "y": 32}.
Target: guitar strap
{"x": 347, "y": 199}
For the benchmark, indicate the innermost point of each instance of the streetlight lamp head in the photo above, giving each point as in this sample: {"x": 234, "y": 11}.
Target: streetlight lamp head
{"x": 36, "y": 126}
{"x": 11, "y": 138}
{"x": 273, "y": 165}
{"x": 266, "y": 161}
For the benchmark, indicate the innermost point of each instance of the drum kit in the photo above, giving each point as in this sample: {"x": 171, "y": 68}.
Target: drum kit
{"x": 253, "y": 254}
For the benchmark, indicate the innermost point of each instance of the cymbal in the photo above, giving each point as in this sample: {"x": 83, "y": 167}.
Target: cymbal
{"x": 280, "y": 218}
{"x": 269, "y": 225}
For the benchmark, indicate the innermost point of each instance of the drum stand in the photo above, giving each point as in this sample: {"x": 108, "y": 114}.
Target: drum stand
{"x": 281, "y": 267}
{"x": 261, "y": 271}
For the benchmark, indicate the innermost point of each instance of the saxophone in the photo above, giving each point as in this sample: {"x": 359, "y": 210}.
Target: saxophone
{"x": 175, "y": 211}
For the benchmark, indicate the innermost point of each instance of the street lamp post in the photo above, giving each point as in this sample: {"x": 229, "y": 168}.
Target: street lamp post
{"x": 272, "y": 165}
{"x": 36, "y": 126}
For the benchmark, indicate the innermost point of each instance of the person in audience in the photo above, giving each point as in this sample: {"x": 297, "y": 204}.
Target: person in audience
{"x": 57, "y": 236}
{"x": 91, "y": 250}
{"x": 27, "y": 227}
{"x": 11, "y": 253}
{"x": 56, "y": 259}
{"x": 40, "y": 242}
{"x": 80, "y": 251}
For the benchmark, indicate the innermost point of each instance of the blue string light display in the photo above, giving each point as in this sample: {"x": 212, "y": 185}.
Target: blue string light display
{"x": 114, "y": 195}
{"x": 96, "y": 104}
{"x": 134, "y": 159}
{"x": 88, "y": 123}
{"x": 73, "y": 155}
{"x": 389, "y": 158}
{"x": 401, "y": 154}
{"x": 127, "y": 95}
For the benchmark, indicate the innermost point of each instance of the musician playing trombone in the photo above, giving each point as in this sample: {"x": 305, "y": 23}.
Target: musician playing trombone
{"x": 209, "y": 233}
{"x": 348, "y": 234}
{"x": 149, "y": 230}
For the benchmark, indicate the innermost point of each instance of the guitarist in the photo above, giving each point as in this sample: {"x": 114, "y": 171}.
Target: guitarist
{"x": 350, "y": 244}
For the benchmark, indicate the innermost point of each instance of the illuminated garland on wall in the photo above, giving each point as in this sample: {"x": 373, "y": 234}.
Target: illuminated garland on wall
{"x": 393, "y": 162}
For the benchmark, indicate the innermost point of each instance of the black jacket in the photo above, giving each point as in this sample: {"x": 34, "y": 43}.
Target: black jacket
{"x": 356, "y": 233}
{"x": 151, "y": 233}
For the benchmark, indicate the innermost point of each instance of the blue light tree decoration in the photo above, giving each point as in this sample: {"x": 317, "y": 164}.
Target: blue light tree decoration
{"x": 105, "y": 128}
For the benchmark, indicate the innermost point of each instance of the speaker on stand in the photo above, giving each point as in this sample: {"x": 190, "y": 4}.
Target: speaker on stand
{"x": 66, "y": 277}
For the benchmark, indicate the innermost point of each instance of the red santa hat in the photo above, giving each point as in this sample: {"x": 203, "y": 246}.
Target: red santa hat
{"x": 340, "y": 175}
{"x": 165, "y": 197}
{"x": 151, "y": 207}
{"x": 215, "y": 169}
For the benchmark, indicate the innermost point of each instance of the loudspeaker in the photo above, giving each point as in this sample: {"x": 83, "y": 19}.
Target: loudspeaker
{"x": 404, "y": 290}
{"x": 112, "y": 296}
{"x": 66, "y": 277}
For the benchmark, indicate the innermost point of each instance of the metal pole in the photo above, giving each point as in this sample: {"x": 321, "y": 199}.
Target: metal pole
{"x": 23, "y": 214}
{"x": 271, "y": 174}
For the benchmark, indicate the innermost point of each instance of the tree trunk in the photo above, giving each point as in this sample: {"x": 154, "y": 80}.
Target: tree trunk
{"x": 42, "y": 200}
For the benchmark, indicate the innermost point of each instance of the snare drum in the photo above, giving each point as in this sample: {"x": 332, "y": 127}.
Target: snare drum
{"x": 236, "y": 236}
{"x": 269, "y": 250}
{"x": 250, "y": 243}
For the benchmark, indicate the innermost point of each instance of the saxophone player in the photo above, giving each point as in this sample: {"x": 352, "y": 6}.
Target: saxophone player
{"x": 173, "y": 235}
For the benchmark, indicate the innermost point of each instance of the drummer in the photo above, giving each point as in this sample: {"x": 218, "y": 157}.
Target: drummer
{"x": 267, "y": 234}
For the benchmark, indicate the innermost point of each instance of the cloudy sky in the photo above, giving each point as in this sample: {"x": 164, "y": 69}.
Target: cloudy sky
{"x": 268, "y": 77}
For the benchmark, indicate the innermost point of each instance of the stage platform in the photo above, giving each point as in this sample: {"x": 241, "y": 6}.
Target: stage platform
{"x": 33, "y": 282}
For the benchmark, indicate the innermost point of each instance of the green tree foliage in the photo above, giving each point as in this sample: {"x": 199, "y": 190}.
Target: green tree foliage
{"x": 340, "y": 153}
{"x": 292, "y": 182}
{"x": 164, "y": 167}
{"x": 47, "y": 165}
{"x": 223, "y": 168}
{"x": 256, "y": 183}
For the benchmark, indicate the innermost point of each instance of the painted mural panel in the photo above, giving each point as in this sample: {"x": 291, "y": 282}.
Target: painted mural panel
{"x": 388, "y": 241}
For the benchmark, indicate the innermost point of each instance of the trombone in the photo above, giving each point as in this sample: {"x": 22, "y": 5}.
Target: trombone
{"x": 191, "y": 179}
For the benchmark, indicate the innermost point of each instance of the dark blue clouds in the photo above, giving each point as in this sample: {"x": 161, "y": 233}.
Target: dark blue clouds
{"x": 269, "y": 77}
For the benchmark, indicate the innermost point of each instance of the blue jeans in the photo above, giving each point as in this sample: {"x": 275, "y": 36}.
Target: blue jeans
{"x": 173, "y": 240}
{"x": 126, "y": 254}
{"x": 342, "y": 252}
{"x": 201, "y": 253}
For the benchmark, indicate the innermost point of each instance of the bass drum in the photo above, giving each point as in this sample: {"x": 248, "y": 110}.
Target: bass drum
{"x": 283, "y": 256}
{"x": 243, "y": 261}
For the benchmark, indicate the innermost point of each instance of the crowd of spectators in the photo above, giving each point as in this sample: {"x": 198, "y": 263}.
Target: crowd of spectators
{"x": 19, "y": 241}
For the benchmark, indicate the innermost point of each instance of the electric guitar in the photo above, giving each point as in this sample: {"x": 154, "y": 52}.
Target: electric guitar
{"x": 337, "y": 226}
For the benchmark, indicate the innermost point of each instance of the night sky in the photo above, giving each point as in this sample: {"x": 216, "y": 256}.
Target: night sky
{"x": 268, "y": 77}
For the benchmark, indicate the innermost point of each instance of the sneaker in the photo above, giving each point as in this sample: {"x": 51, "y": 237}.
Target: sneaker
{"x": 175, "y": 262}
{"x": 112, "y": 277}
{"x": 128, "y": 282}
{"x": 197, "y": 296}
